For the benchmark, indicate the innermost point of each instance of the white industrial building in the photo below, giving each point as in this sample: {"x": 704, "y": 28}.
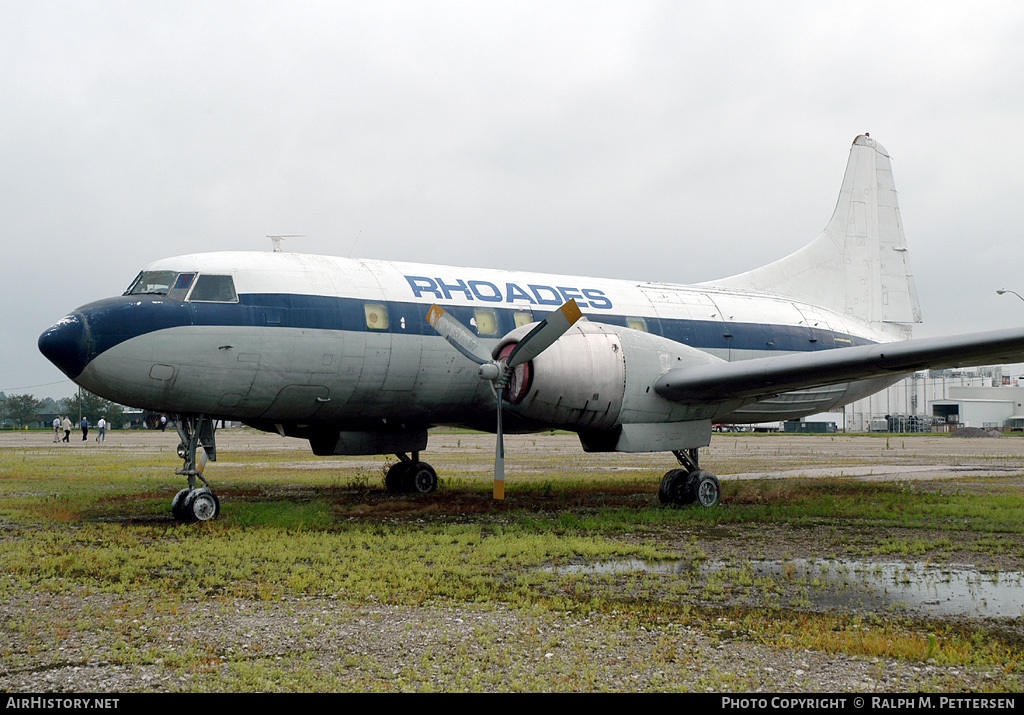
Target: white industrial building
{"x": 991, "y": 397}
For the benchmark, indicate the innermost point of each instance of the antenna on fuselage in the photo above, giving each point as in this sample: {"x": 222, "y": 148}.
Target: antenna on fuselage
{"x": 276, "y": 239}
{"x": 354, "y": 243}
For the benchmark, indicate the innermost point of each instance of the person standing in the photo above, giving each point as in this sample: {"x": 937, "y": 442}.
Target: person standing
{"x": 102, "y": 426}
{"x": 163, "y": 422}
{"x": 66, "y": 426}
{"x": 56, "y": 429}
{"x": 85, "y": 429}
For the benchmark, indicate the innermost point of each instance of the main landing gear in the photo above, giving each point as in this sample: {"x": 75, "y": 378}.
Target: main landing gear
{"x": 410, "y": 476}
{"x": 689, "y": 485}
{"x": 195, "y": 504}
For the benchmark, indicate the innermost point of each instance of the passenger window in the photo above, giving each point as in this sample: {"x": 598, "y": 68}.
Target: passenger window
{"x": 180, "y": 288}
{"x": 376, "y": 316}
{"x": 523, "y": 317}
{"x": 213, "y": 289}
{"x": 486, "y": 321}
{"x": 637, "y": 324}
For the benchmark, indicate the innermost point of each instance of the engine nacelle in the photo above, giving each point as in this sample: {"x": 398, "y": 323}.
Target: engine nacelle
{"x": 598, "y": 376}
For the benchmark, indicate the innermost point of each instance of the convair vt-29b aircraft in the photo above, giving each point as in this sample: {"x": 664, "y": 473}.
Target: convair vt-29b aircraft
{"x": 364, "y": 356}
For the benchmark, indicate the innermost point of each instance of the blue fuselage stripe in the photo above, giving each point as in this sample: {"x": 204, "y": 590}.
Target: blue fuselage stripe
{"x": 115, "y": 320}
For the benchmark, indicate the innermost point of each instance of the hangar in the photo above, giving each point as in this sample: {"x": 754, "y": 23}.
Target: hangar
{"x": 941, "y": 400}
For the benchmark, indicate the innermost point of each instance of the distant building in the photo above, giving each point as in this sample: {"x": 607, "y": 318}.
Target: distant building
{"x": 938, "y": 400}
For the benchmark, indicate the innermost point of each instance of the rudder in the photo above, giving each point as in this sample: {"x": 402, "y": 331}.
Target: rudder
{"x": 858, "y": 265}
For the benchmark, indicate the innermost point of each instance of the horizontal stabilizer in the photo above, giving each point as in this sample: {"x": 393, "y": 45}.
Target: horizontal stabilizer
{"x": 762, "y": 377}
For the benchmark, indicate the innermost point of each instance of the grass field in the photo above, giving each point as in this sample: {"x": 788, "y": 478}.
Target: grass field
{"x": 314, "y": 578}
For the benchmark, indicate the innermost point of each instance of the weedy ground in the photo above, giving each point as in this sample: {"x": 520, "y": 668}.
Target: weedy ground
{"x": 314, "y": 578}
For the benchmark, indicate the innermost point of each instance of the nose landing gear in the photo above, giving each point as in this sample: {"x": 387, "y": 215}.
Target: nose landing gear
{"x": 195, "y": 504}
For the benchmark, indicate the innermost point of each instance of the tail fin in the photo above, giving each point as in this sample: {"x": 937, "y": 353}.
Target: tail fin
{"x": 858, "y": 265}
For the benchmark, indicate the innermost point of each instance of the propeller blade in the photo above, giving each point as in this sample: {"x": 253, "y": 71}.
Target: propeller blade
{"x": 458, "y": 335}
{"x": 533, "y": 344}
{"x": 547, "y": 332}
{"x": 499, "y": 455}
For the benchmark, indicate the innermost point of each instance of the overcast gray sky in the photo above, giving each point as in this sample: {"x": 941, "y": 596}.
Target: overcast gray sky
{"x": 673, "y": 141}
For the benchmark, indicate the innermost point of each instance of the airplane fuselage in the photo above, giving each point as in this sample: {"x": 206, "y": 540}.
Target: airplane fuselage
{"x": 302, "y": 339}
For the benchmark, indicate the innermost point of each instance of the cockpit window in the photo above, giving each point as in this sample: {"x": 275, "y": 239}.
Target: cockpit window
{"x": 181, "y": 286}
{"x": 214, "y": 289}
{"x": 152, "y": 283}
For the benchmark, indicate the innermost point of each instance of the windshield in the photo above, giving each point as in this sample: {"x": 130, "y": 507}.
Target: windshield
{"x": 152, "y": 283}
{"x": 204, "y": 288}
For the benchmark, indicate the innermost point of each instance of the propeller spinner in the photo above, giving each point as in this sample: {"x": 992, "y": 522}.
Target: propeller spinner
{"x": 497, "y": 371}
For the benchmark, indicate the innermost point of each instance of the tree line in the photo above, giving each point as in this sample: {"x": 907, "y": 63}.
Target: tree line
{"x": 27, "y": 410}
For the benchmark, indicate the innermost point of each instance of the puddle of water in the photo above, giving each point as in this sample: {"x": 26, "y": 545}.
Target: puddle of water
{"x": 937, "y": 590}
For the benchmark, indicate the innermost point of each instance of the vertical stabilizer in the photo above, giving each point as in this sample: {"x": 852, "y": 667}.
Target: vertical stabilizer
{"x": 858, "y": 265}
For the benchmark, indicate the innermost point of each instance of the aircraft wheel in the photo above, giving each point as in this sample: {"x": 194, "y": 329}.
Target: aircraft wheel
{"x": 181, "y": 450}
{"x": 201, "y": 505}
{"x": 673, "y": 490}
{"x": 422, "y": 478}
{"x": 665, "y": 488}
{"x": 705, "y": 489}
{"x": 397, "y": 481}
{"x": 177, "y": 505}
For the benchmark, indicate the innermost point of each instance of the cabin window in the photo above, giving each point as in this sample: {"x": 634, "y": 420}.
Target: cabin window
{"x": 213, "y": 289}
{"x": 181, "y": 285}
{"x": 152, "y": 283}
{"x": 523, "y": 317}
{"x": 637, "y": 324}
{"x": 486, "y": 321}
{"x": 376, "y": 316}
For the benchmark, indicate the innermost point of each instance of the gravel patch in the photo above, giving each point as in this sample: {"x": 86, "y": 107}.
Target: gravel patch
{"x": 260, "y": 646}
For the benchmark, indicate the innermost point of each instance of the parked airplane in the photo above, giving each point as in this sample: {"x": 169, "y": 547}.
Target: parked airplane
{"x": 360, "y": 357}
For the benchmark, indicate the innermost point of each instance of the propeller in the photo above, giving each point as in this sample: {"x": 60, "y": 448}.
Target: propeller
{"x": 497, "y": 371}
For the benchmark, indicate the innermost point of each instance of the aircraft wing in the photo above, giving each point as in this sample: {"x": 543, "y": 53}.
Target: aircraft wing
{"x": 763, "y": 377}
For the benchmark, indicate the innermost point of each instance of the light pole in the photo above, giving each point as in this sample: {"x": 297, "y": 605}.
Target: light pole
{"x": 1004, "y": 291}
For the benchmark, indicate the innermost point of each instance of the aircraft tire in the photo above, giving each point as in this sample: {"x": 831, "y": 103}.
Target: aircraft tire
{"x": 664, "y": 489}
{"x": 674, "y": 488}
{"x": 201, "y": 505}
{"x": 177, "y": 505}
{"x": 397, "y": 481}
{"x": 704, "y": 489}
{"x": 422, "y": 478}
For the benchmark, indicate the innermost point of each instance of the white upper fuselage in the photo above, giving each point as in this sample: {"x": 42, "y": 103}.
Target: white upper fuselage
{"x": 601, "y": 299}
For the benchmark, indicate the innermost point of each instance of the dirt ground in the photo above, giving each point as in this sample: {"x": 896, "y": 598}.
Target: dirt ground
{"x": 637, "y": 663}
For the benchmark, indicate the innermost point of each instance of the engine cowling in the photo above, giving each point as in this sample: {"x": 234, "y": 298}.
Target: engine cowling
{"x": 598, "y": 376}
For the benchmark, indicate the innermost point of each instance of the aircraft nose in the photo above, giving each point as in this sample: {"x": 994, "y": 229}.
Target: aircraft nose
{"x": 66, "y": 344}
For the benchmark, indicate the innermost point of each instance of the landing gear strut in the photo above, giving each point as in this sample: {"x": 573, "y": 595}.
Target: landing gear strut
{"x": 690, "y": 484}
{"x": 410, "y": 476}
{"x": 192, "y": 503}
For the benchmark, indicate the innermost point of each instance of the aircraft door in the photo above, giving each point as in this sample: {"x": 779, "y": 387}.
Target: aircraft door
{"x": 690, "y": 317}
{"x": 726, "y": 334}
{"x": 819, "y": 331}
{"x": 398, "y": 330}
